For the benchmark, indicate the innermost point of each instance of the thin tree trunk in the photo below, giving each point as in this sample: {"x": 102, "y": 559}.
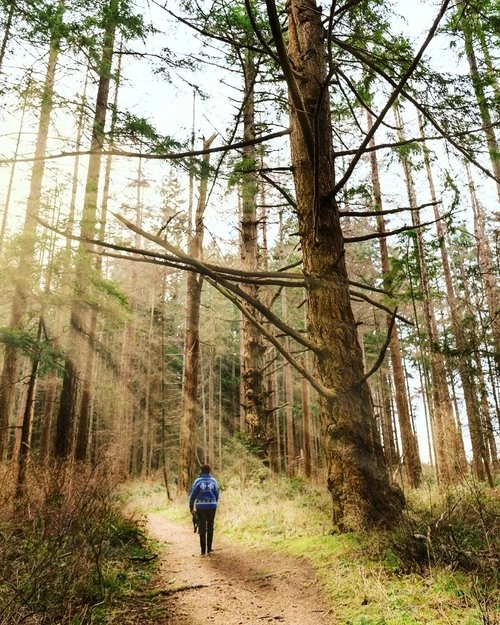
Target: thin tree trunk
{"x": 8, "y": 378}
{"x": 6, "y": 33}
{"x": 288, "y": 384}
{"x": 189, "y": 410}
{"x": 270, "y": 389}
{"x": 211, "y": 402}
{"x": 411, "y": 456}
{"x": 287, "y": 374}
{"x": 449, "y": 464}
{"x": 465, "y": 368}
{"x": 10, "y": 185}
{"x": 307, "y": 425}
{"x": 478, "y": 84}
{"x": 80, "y": 325}
{"x": 485, "y": 261}
{"x": 486, "y": 417}
{"x": 27, "y": 426}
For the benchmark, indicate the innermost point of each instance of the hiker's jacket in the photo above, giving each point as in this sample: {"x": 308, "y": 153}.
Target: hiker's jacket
{"x": 204, "y": 493}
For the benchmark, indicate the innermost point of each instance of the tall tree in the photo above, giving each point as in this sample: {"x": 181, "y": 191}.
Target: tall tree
{"x": 466, "y": 371}
{"x": 450, "y": 464}
{"x": 362, "y": 494}
{"x": 256, "y": 413}
{"x": 411, "y": 457}
{"x": 83, "y": 327}
{"x": 26, "y": 266}
{"x": 190, "y": 388}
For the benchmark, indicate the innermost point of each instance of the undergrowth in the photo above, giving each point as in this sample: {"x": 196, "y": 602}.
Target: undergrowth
{"x": 68, "y": 553}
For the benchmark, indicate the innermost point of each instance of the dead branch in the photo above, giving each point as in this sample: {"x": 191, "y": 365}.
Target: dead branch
{"x": 218, "y": 278}
{"x": 167, "y": 592}
{"x": 390, "y": 233}
{"x": 323, "y": 390}
{"x": 386, "y": 212}
{"x": 168, "y": 156}
{"x": 149, "y": 558}
{"x": 398, "y": 89}
{"x": 379, "y": 305}
{"x": 377, "y": 364}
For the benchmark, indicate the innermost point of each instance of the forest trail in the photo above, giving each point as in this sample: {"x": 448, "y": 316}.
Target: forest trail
{"x": 234, "y": 585}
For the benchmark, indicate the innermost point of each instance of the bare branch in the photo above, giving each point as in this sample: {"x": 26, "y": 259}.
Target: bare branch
{"x": 204, "y": 270}
{"x": 397, "y": 144}
{"x": 168, "y": 156}
{"x": 279, "y": 188}
{"x": 401, "y": 209}
{"x": 228, "y": 272}
{"x": 398, "y": 88}
{"x": 211, "y": 35}
{"x": 378, "y": 235}
{"x": 377, "y": 364}
{"x": 373, "y": 302}
{"x": 323, "y": 390}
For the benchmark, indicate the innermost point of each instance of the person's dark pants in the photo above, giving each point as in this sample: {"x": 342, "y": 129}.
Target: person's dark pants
{"x": 206, "y": 518}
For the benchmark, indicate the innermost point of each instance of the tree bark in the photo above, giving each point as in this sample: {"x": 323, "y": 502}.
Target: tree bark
{"x": 411, "y": 457}
{"x": 82, "y": 329}
{"x": 450, "y": 464}
{"x": 480, "y": 462}
{"x": 189, "y": 411}
{"x": 256, "y": 416}
{"x": 307, "y": 452}
{"x": 362, "y": 495}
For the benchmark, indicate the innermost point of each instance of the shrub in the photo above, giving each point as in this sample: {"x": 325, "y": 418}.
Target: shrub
{"x": 64, "y": 547}
{"x": 461, "y": 531}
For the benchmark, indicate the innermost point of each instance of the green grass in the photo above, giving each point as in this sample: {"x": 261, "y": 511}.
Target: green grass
{"x": 364, "y": 580}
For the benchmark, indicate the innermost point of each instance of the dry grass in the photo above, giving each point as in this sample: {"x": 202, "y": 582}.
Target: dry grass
{"x": 64, "y": 547}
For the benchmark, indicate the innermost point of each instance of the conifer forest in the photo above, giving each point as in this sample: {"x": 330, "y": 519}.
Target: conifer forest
{"x": 252, "y": 227}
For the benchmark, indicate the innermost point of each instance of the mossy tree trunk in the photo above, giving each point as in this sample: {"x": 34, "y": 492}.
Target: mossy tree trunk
{"x": 358, "y": 480}
{"x": 256, "y": 414}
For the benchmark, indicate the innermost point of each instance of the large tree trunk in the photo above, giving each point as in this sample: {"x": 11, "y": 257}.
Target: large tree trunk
{"x": 256, "y": 415}
{"x": 358, "y": 480}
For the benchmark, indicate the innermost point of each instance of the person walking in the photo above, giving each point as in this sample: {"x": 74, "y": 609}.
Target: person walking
{"x": 204, "y": 497}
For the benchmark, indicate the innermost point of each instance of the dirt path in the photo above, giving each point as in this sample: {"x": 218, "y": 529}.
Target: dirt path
{"x": 231, "y": 587}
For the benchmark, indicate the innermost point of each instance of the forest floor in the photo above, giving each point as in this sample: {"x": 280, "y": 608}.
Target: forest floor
{"x": 234, "y": 585}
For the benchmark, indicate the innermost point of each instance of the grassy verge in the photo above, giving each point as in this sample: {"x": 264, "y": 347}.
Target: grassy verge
{"x": 439, "y": 568}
